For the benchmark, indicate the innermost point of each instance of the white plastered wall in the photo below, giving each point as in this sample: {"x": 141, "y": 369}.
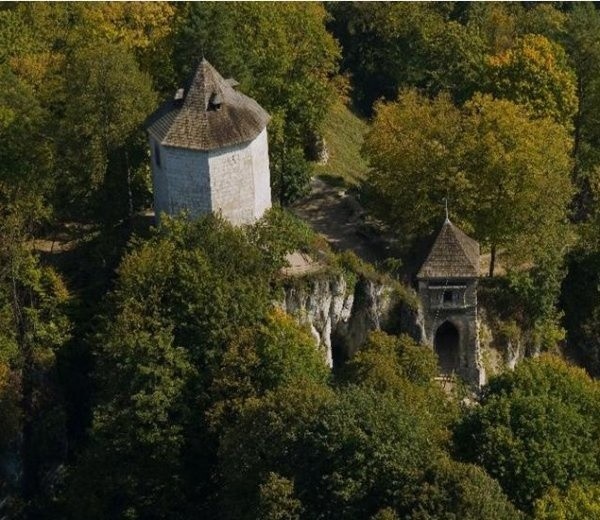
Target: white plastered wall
{"x": 239, "y": 180}
{"x": 181, "y": 182}
{"x": 262, "y": 176}
{"x": 234, "y": 180}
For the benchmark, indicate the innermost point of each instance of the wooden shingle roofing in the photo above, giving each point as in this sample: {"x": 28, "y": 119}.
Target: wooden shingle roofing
{"x": 208, "y": 113}
{"x": 453, "y": 255}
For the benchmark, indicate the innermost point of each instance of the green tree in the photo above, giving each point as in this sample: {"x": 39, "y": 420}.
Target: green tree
{"x": 385, "y": 514}
{"x": 536, "y": 428}
{"x": 106, "y": 99}
{"x": 277, "y": 500}
{"x": 454, "y": 61}
{"x": 139, "y": 419}
{"x": 583, "y": 45}
{"x": 33, "y": 328}
{"x": 452, "y": 490}
{"x": 263, "y": 358}
{"x": 181, "y": 298}
{"x": 145, "y": 29}
{"x": 519, "y": 169}
{"x": 27, "y": 152}
{"x": 415, "y": 151}
{"x": 496, "y": 23}
{"x": 507, "y": 175}
{"x": 384, "y": 45}
{"x": 348, "y": 455}
{"x": 535, "y": 73}
{"x": 579, "y": 501}
{"x": 580, "y": 302}
{"x": 402, "y": 367}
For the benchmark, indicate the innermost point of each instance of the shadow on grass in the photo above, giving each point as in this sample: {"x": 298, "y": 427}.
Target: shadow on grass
{"x": 335, "y": 181}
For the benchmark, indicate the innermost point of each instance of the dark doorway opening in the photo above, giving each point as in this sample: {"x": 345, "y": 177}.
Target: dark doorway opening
{"x": 446, "y": 347}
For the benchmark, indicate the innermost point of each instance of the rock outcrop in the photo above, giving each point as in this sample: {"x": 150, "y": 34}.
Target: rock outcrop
{"x": 341, "y": 314}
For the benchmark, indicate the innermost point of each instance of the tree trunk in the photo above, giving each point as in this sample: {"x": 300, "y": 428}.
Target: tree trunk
{"x": 30, "y": 464}
{"x": 492, "y": 260}
{"x": 583, "y": 190}
{"x": 129, "y": 191}
{"x": 281, "y": 195}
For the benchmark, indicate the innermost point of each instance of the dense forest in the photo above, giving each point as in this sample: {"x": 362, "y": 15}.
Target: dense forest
{"x": 148, "y": 372}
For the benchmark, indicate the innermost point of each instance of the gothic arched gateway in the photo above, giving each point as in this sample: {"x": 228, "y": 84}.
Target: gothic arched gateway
{"x": 446, "y": 345}
{"x": 447, "y": 283}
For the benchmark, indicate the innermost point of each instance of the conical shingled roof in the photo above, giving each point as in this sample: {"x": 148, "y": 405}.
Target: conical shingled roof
{"x": 208, "y": 114}
{"x": 453, "y": 255}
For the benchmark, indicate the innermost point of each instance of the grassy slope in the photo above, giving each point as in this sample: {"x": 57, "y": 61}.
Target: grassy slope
{"x": 343, "y": 132}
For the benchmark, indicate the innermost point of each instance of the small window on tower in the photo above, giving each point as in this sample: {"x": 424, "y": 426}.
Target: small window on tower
{"x": 157, "y": 155}
{"x": 448, "y": 297}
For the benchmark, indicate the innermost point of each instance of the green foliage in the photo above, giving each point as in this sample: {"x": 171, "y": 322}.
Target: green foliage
{"x": 385, "y": 514}
{"x": 580, "y": 291}
{"x": 263, "y": 358}
{"x": 26, "y": 155}
{"x": 349, "y": 454}
{"x": 534, "y": 73}
{"x": 452, "y": 490}
{"x": 583, "y": 45}
{"x": 457, "y": 48}
{"x": 180, "y": 298}
{"x": 205, "y": 398}
{"x": 139, "y": 419}
{"x": 33, "y": 329}
{"x": 455, "y": 59}
{"x": 400, "y": 366}
{"x": 277, "y": 500}
{"x": 210, "y": 280}
{"x": 83, "y": 64}
{"x": 404, "y": 361}
{"x": 279, "y": 232}
{"x": 536, "y": 428}
{"x": 525, "y": 186}
{"x": 106, "y": 99}
{"x": 383, "y": 44}
{"x": 290, "y": 171}
{"x": 415, "y": 143}
{"x": 538, "y": 291}
{"x": 579, "y": 501}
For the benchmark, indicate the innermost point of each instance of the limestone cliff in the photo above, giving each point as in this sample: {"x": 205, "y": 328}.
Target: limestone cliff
{"x": 341, "y": 313}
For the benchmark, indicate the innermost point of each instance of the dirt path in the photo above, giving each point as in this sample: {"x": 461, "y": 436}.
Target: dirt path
{"x": 339, "y": 217}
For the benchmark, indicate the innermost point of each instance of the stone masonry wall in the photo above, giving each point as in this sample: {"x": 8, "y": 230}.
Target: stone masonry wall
{"x": 262, "y": 175}
{"x": 239, "y": 180}
{"x": 465, "y": 320}
{"x": 181, "y": 182}
{"x": 233, "y": 180}
{"x": 159, "y": 182}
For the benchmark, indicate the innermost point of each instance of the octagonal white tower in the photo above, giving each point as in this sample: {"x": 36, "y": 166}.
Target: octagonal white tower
{"x": 209, "y": 151}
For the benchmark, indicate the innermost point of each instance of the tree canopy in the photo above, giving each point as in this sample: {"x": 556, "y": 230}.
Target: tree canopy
{"x": 535, "y": 429}
{"x": 507, "y": 176}
{"x": 150, "y": 373}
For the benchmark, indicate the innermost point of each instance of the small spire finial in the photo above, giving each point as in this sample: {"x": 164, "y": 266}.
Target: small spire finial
{"x": 446, "y": 204}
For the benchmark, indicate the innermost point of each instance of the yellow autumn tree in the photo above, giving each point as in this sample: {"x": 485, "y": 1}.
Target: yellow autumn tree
{"x": 535, "y": 73}
{"x": 506, "y": 174}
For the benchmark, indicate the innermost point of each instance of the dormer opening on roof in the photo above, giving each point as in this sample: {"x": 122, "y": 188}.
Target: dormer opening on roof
{"x": 215, "y": 102}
